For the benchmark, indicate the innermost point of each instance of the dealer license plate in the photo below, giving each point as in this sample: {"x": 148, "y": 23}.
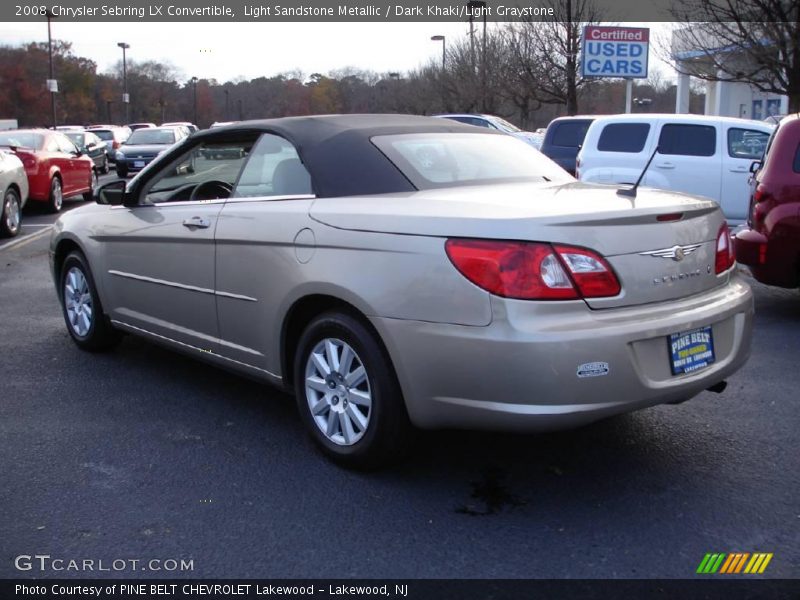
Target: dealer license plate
{"x": 691, "y": 350}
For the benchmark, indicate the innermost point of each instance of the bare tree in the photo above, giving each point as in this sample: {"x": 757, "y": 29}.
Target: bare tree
{"x": 748, "y": 41}
{"x": 546, "y": 53}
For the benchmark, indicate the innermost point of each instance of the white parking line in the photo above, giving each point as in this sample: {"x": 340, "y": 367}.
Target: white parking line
{"x": 26, "y": 239}
{"x": 37, "y": 224}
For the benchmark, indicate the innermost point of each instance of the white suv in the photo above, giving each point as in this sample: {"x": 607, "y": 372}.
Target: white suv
{"x": 702, "y": 155}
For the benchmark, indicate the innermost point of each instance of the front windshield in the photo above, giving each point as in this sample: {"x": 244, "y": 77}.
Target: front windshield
{"x": 505, "y": 125}
{"x": 151, "y": 136}
{"x": 435, "y": 160}
{"x": 21, "y": 139}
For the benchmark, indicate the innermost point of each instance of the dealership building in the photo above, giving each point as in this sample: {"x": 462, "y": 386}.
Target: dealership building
{"x": 723, "y": 98}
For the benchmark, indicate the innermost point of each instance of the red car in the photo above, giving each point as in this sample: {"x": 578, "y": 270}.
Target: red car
{"x": 770, "y": 245}
{"x": 56, "y": 169}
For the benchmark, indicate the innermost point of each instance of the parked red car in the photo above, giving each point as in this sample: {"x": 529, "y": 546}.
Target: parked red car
{"x": 770, "y": 245}
{"x": 56, "y": 169}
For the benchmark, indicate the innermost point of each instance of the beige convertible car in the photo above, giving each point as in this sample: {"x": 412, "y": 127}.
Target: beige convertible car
{"x": 399, "y": 272}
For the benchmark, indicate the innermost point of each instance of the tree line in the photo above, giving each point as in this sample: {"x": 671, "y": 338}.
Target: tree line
{"x": 527, "y": 72}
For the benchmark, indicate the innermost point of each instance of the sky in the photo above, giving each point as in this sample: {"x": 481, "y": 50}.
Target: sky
{"x": 226, "y": 51}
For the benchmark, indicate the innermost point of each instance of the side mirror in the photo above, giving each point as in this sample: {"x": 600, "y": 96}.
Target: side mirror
{"x": 755, "y": 166}
{"x": 112, "y": 194}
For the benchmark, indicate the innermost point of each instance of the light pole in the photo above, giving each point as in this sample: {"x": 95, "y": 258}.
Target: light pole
{"x": 478, "y": 7}
{"x": 440, "y": 38}
{"x": 125, "y": 97}
{"x": 194, "y": 86}
{"x": 227, "y": 102}
{"x": 52, "y": 84}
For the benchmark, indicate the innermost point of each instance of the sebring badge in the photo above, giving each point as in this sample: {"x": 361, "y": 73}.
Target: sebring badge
{"x": 676, "y": 253}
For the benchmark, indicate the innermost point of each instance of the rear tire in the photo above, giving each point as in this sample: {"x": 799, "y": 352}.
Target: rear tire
{"x": 355, "y": 411}
{"x": 10, "y": 213}
{"x": 86, "y": 322}
{"x": 89, "y": 196}
{"x": 56, "y": 200}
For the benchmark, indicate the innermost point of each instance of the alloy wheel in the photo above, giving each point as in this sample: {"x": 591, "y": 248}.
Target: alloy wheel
{"x": 78, "y": 302}
{"x": 56, "y": 194}
{"x": 338, "y": 391}
{"x": 11, "y": 212}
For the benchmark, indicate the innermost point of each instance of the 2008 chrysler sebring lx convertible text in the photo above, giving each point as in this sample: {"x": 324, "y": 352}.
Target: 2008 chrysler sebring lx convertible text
{"x": 401, "y": 271}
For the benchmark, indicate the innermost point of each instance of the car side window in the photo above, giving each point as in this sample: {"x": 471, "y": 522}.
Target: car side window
{"x": 688, "y": 140}
{"x": 51, "y": 145}
{"x": 796, "y": 164}
{"x": 65, "y": 144}
{"x": 623, "y": 137}
{"x": 273, "y": 169}
{"x": 207, "y": 171}
{"x": 570, "y": 134}
{"x": 746, "y": 143}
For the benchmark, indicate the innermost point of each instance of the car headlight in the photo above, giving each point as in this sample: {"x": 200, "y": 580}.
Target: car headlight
{"x": 120, "y": 155}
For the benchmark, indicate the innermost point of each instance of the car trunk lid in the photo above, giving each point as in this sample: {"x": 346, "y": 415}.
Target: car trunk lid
{"x": 660, "y": 244}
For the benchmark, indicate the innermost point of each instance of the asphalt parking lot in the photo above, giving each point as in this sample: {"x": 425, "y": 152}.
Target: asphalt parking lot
{"x": 145, "y": 454}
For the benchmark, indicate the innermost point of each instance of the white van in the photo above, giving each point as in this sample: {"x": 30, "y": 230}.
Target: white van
{"x": 697, "y": 154}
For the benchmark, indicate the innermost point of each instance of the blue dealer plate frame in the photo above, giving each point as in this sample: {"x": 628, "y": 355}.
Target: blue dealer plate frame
{"x": 691, "y": 351}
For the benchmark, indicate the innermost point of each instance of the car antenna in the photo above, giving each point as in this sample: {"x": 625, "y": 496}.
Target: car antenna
{"x": 631, "y": 191}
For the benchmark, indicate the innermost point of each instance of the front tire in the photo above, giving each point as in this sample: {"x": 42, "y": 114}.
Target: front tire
{"x": 86, "y": 322}
{"x": 347, "y": 393}
{"x": 11, "y": 213}
{"x": 56, "y": 200}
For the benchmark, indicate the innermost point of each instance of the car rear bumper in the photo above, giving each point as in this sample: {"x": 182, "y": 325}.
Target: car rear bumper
{"x": 132, "y": 165}
{"x": 520, "y": 373}
{"x": 770, "y": 262}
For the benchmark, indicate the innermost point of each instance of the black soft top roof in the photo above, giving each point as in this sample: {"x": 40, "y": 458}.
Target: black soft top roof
{"x": 337, "y": 151}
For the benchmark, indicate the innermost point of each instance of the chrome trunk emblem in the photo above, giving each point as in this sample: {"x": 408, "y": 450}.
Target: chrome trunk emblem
{"x": 676, "y": 253}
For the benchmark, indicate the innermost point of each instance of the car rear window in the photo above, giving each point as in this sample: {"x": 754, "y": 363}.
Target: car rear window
{"x": 688, "y": 140}
{"x": 149, "y": 135}
{"x": 623, "y": 137}
{"x": 471, "y": 121}
{"x": 570, "y": 134}
{"x": 437, "y": 160}
{"x": 21, "y": 139}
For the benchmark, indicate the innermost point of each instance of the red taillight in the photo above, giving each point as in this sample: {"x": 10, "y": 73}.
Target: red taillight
{"x": 724, "y": 258}
{"x": 114, "y": 145}
{"x": 532, "y": 271}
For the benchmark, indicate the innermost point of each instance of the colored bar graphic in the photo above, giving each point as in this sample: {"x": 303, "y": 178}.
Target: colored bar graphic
{"x": 703, "y": 563}
{"x": 765, "y": 563}
{"x": 728, "y": 563}
{"x": 741, "y": 562}
{"x": 717, "y": 564}
{"x": 734, "y": 563}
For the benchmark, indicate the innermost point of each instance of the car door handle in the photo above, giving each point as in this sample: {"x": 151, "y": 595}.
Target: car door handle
{"x": 197, "y": 222}
{"x": 665, "y": 165}
{"x": 739, "y": 170}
